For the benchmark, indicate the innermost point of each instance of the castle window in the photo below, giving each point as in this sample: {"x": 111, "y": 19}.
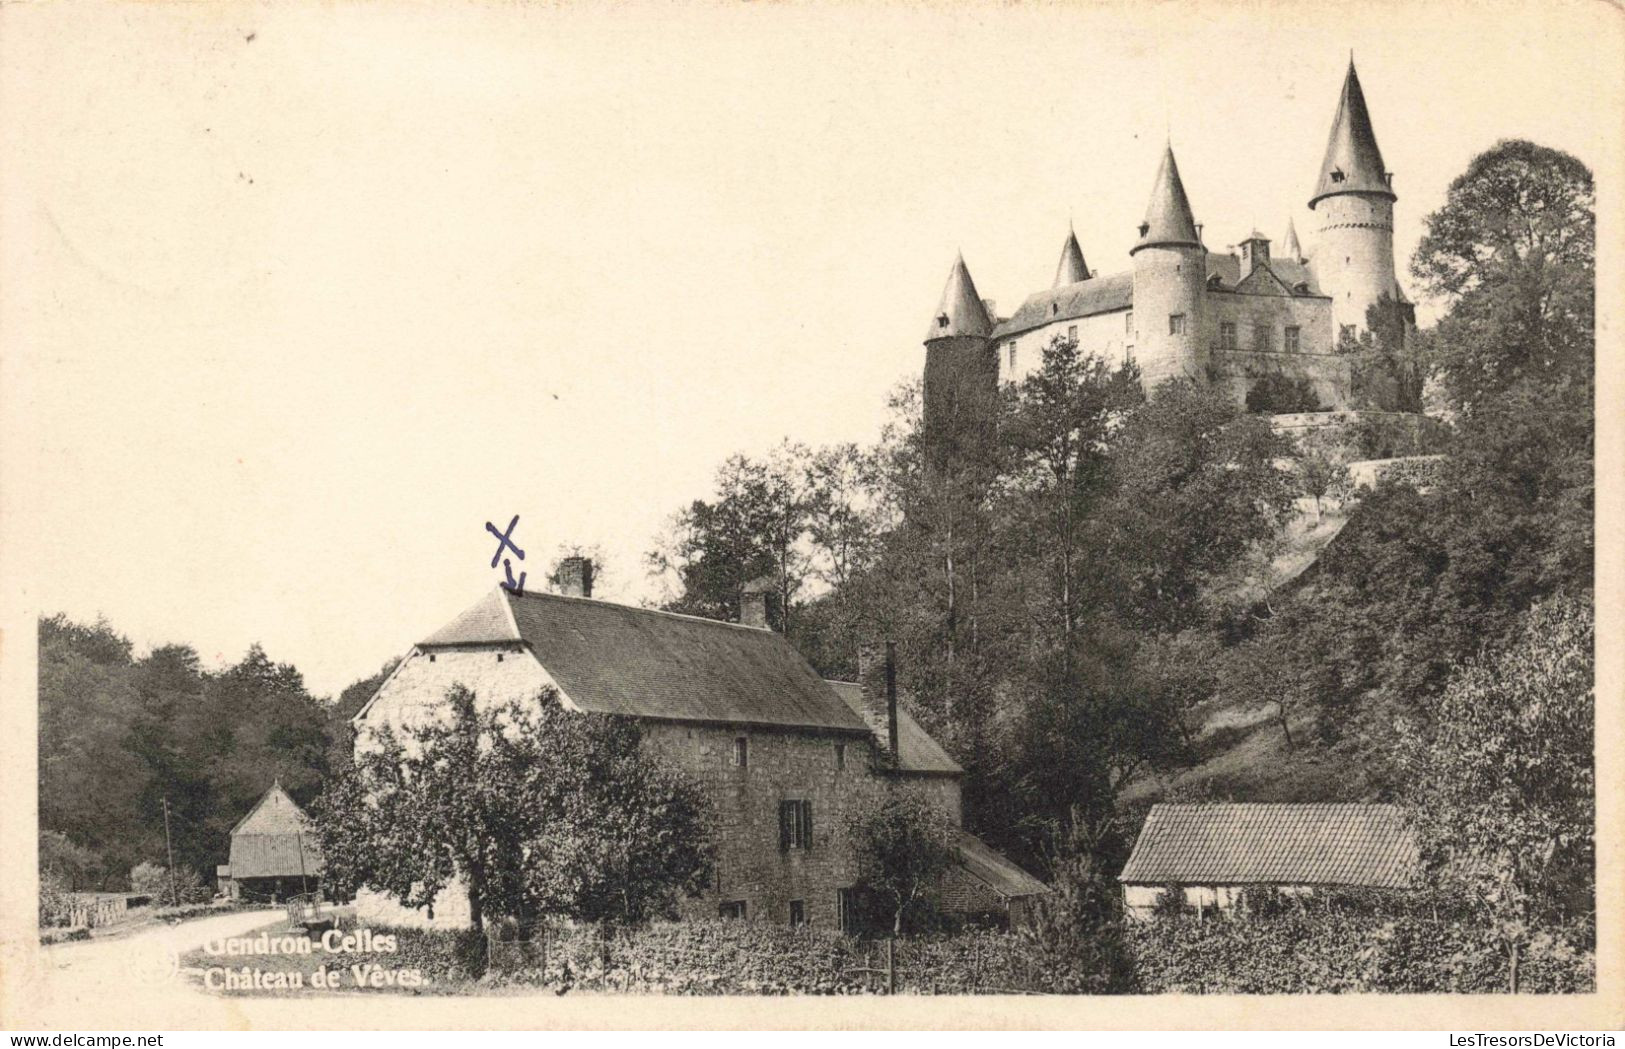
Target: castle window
{"x": 798, "y": 912}
{"x": 1054, "y": 308}
{"x": 1291, "y": 343}
{"x": 942, "y": 320}
{"x": 1128, "y": 323}
{"x": 1227, "y": 335}
{"x": 795, "y": 825}
{"x": 741, "y": 752}
{"x": 1072, "y": 332}
{"x": 1337, "y": 174}
{"x": 1012, "y": 354}
{"x": 1262, "y": 336}
{"x": 1176, "y": 324}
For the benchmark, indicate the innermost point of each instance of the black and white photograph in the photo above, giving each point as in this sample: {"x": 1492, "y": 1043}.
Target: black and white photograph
{"x": 810, "y": 515}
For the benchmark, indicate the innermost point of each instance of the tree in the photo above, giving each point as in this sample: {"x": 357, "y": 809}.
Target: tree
{"x": 1512, "y": 252}
{"x": 531, "y": 808}
{"x": 903, "y": 846}
{"x": 1320, "y": 467}
{"x": 1276, "y": 394}
{"x": 1504, "y": 785}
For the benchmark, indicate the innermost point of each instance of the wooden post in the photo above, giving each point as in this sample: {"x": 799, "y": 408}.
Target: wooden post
{"x": 174, "y": 897}
{"x": 891, "y": 965}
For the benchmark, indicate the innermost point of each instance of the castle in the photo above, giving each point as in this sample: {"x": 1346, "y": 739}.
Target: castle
{"x": 1252, "y": 322}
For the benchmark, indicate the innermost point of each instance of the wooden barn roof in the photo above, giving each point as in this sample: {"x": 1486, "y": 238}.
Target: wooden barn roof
{"x": 637, "y": 662}
{"x": 1319, "y": 844}
{"x": 993, "y": 869}
{"x": 266, "y": 843}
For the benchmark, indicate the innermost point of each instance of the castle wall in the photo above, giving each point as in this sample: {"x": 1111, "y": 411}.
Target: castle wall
{"x": 1108, "y": 336}
{"x": 1261, "y": 323}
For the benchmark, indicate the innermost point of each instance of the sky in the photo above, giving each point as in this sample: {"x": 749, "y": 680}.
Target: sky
{"x": 294, "y": 299}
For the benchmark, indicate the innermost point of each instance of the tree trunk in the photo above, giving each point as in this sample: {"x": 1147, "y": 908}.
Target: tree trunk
{"x": 1512, "y": 968}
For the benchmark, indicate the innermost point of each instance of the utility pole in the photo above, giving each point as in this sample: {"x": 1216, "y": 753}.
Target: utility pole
{"x": 170, "y": 849}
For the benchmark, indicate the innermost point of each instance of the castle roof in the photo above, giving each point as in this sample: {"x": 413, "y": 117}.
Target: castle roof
{"x": 1168, "y": 218}
{"x": 1353, "y": 162}
{"x": 961, "y": 311}
{"x": 1066, "y": 302}
{"x": 1072, "y": 268}
{"x": 1291, "y": 248}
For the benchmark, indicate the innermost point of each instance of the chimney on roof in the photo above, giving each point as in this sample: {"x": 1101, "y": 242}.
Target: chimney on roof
{"x": 877, "y": 676}
{"x": 575, "y": 577}
{"x": 753, "y": 602}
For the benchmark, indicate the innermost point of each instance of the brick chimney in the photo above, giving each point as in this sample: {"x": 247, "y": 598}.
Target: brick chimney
{"x": 877, "y": 675}
{"x": 575, "y": 577}
{"x": 753, "y": 602}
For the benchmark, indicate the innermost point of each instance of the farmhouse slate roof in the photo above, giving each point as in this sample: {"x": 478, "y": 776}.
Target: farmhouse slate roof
{"x": 1315, "y": 844}
{"x": 267, "y": 842}
{"x": 916, "y": 750}
{"x": 615, "y": 659}
{"x": 997, "y": 872}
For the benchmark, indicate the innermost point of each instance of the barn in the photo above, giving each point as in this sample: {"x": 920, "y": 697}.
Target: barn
{"x": 274, "y": 854}
{"x": 1212, "y": 853}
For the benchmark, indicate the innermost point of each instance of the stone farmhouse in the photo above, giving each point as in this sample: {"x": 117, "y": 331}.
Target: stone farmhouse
{"x": 1212, "y": 853}
{"x": 274, "y": 852}
{"x": 782, "y": 755}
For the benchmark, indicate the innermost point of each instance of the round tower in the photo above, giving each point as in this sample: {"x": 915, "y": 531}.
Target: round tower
{"x": 1354, "y": 202}
{"x": 1170, "y": 272}
{"x": 961, "y": 375}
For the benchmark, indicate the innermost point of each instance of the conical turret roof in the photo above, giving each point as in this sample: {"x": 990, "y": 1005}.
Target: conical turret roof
{"x": 1168, "y": 218}
{"x": 1072, "y": 268}
{"x": 1353, "y": 162}
{"x": 1290, "y": 246}
{"x": 961, "y": 311}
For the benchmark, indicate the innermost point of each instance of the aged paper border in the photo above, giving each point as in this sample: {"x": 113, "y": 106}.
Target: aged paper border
{"x": 26, "y": 988}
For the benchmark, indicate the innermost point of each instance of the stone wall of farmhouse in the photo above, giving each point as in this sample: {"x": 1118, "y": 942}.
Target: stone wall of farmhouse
{"x": 779, "y": 766}
{"x": 782, "y": 766}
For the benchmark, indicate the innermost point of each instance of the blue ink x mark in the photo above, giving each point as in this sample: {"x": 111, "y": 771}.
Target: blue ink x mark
{"x": 510, "y": 584}
{"x": 503, "y": 542}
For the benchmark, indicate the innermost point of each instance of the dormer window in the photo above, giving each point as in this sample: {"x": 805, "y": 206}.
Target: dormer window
{"x": 1145, "y": 227}
{"x": 1301, "y": 288}
{"x": 942, "y": 320}
{"x": 1337, "y": 174}
{"x": 1054, "y": 308}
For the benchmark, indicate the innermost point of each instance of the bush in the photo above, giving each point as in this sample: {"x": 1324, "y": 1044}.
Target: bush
{"x": 149, "y": 879}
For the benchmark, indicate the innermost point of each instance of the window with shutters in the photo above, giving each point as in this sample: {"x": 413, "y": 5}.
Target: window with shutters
{"x": 795, "y": 825}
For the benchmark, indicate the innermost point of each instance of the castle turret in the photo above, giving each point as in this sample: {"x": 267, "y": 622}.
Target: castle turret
{"x": 961, "y": 374}
{"x": 1072, "y": 268}
{"x": 1354, "y": 201}
{"x": 1169, "y": 281}
{"x": 1291, "y": 250}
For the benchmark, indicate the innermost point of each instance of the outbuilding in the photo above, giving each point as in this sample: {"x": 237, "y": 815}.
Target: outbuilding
{"x": 274, "y": 854}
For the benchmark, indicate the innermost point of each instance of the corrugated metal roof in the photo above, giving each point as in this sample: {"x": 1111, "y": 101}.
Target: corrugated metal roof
{"x": 916, "y": 750}
{"x": 1353, "y": 162}
{"x": 614, "y": 659}
{"x": 266, "y": 843}
{"x": 1315, "y": 844}
{"x": 992, "y": 868}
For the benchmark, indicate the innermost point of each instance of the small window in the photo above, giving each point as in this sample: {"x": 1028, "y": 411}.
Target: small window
{"x": 1337, "y": 174}
{"x": 1345, "y": 331}
{"x": 942, "y": 320}
{"x": 1291, "y": 339}
{"x": 1012, "y": 354}
{"x": 840, "y": 755}
{"x": 1054, "y": 308}
{"x": 1128, "y": 323}
{"x": 798, "y": 912}
{"x": 431, "y": 657}
{"x": 499, "y": 657}
{"x": 1227, "y": 335}
{"x": 1072, "y": 332}
{"x": 741, "y": 752}
{"x": 1176, "y": 324}
{"x": 795, "y": 825}
{"x": 731, "y": 909}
